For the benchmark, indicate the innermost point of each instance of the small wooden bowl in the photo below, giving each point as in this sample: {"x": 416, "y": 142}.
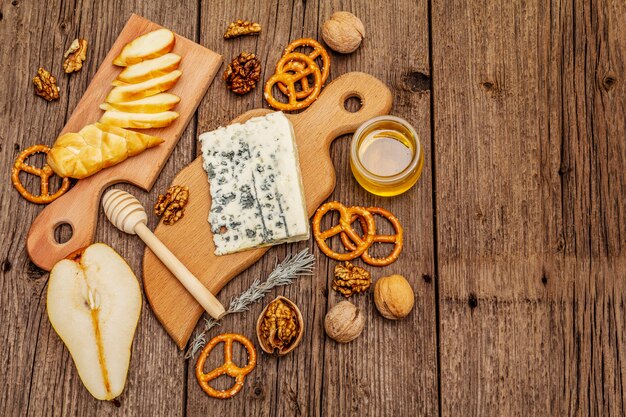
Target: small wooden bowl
{"x": 300, "y": 323}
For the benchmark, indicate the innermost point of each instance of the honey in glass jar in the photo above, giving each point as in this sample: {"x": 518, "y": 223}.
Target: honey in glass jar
{"x": 386, "y": 156}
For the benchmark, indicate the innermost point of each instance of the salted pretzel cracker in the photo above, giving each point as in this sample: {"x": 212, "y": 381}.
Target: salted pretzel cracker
{"x": 290, "y": 80}
{"x": 318, "y": 51}
{"x": 346, "y": 214}
{"x": 295, "y": 67}
{"x": 43, "y": 173}
{"x": 228, "y": 367}
{"x": 397, "y": 239}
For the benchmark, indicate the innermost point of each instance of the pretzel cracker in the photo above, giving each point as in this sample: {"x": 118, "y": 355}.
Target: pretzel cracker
{"x": 44, "y": 173}
{"x": 290, "y": 79}
{"x": 228, "y": 367}
{"x": 397, "y": 239}
{"x": 346, "y": 213}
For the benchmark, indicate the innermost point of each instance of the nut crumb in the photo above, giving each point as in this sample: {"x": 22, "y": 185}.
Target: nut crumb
{"x": 240, "y": 28}
{"x": 171, "y": 205}
{"x": 46, "y": 85}
{"x": 75, "y": 56}
{"x": 350, "y": 279}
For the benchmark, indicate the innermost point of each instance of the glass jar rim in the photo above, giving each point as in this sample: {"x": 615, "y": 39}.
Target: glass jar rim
{"x": 385, "y": 179}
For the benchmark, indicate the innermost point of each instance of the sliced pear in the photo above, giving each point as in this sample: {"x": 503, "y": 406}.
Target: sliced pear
{"x": 144, "y": 89}
{"x": 148, "y": 46}
{"x": 153, "y": 104}
{"x": 138, "y": 120}
{"x": 151, "y": 68}
{"x": 93, "y": 304}
{"x": 135, "y": 142}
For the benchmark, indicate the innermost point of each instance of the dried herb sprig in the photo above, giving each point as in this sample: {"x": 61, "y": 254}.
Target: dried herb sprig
{"x": 284, "y": 273}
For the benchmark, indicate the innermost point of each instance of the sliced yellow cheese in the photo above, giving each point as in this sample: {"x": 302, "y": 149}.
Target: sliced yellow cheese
{"x": 144, "y": 89}
{"x": 153, "y": 104}
{"x": 151, "y": 45}
{"x": 138, "y": 120}
{"x": 151, "y": 68}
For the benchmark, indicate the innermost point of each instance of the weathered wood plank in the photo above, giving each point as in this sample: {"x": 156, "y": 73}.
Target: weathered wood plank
{"x": 25, "y": 120}
{"x": 320, "y": 377}
{"x": 529, "y": 126}
{"x": 261, "y": 394}
{"x": 41, "y": 378}
{"x": 392, "y": 368}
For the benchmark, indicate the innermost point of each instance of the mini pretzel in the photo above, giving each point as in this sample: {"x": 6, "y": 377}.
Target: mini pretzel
{"x": 44, "y": 173}
{"x": 397, "y": 238}
{"x": 290, "y": 80}
{"x": 228, "y": 367}
{"x": 318, "y": 50}
{"x": 346, "y": 214}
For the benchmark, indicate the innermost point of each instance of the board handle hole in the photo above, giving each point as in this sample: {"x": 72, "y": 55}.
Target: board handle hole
{"x": 63, "y": 232}
{"x": 353, "y": 103}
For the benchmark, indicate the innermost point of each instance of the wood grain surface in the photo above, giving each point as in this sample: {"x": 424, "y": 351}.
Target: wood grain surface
{"x": 191, "y": 238}
{"x": 79, "y": 207}
{"x": 515, "y": 232}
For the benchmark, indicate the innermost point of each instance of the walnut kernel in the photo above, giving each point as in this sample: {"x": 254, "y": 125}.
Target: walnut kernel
{"x": 75, "y": 56}
{"x": 46, "y": 85}
{"x": 280, "y": 326}
{"x": 243, "y": 73}
{"x": 240, "y": 28}
{"x": 171, "y": 205}
{"x": 350, "y": 279}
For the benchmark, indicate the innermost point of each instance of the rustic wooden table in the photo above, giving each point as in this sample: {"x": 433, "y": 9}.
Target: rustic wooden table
{"x": 516, "y": 232}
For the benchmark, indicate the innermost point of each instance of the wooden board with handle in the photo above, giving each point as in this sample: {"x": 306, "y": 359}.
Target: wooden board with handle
{"x": 191, "y": 238}
{"x": 79, "y": 207}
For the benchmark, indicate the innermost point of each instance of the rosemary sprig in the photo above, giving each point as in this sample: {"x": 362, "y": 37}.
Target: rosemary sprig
{"x": 284, "y": 273}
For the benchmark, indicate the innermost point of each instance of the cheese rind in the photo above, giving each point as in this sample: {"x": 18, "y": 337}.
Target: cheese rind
{"x": 255, "y": 184}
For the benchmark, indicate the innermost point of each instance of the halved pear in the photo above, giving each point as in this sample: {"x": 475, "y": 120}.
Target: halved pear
{"x": 93, "y": 304}
{"x": 135, "y": 142}
{"x": 153, "y": 104}
{"x": 148, "y": 88}
{"x": 151, "y": 68}
{"x": 138, "y": 120}
{"x": 151, "y": 45}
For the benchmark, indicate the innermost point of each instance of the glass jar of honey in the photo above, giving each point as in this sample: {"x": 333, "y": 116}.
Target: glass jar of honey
{"x": 386, "y": 156}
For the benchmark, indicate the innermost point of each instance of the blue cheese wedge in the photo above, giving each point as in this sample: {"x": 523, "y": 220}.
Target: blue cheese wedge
{"x": 257, "y": 197}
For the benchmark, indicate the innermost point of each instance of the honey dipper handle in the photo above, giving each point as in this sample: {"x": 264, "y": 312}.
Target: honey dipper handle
{"x": 202, "y": 295}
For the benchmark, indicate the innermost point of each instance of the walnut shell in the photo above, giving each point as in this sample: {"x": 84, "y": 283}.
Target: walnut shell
{"x": 394, "y": 297}
{"x": 343, "y": 32}
{"x": 344, "y": 322}
{"x": 263, "y": 337}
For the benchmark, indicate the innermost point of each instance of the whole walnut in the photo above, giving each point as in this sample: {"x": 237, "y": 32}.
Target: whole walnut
{"x": 343, "y": 32}
{"x": 344, "y": 322}
{"x": 394, "y": 297}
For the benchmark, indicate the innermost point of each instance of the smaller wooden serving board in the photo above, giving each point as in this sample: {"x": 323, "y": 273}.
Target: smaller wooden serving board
{"x": 79, "y": 207}
{"x": 191, "y": 240}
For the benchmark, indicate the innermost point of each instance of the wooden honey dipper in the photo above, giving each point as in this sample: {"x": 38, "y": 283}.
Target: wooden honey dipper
{"x": 127, "y": 214}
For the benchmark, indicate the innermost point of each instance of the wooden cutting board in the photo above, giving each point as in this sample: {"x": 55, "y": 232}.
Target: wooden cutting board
{"x": 79, "y": 207}
{"x": 191, "y": 238}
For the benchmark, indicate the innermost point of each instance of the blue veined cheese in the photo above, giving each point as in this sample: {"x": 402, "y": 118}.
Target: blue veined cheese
{"x": 257, "y": 197}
